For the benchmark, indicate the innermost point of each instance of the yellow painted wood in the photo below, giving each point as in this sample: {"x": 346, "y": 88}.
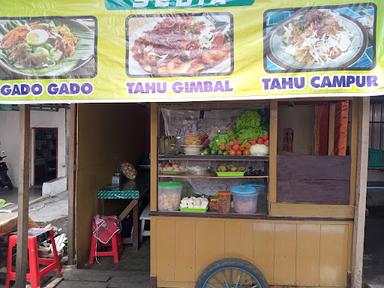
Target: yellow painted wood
{"x": 239, "y": 240}
{"x": 153, "y": 247}
{"x": 333, "y": 255}
{"x": 185, "y": 256}
{"x": 308, "y": 254}
{"x": 312, "y": 210}
{"x": 272, "y": 186}
{"x": 166, "y": 244}
{"x": 285, "y": 254}
{"x": 350, "y": 245}
{"x": 169, "y": 284}
{"x": 209, "y": 242}
{"x": 264, "y": 248}
{"x": 286, "y": 251}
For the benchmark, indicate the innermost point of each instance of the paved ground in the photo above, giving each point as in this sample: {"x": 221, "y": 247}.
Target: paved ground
{"x": 374, "y": 252}
{"x": 131, "y": 272}
{"x": 50, "y": 209}
{"x": 11, "y": 196}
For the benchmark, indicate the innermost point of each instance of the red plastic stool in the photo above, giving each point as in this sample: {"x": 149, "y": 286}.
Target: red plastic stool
{"x": 114, "y": 243}
{"x": 35, "y": 273}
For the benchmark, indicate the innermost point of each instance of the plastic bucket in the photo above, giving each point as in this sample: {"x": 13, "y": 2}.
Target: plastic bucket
{"x": 244, "y": 199}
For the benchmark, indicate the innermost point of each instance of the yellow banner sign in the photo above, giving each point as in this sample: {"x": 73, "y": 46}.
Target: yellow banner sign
{"x": 183, "y": 50}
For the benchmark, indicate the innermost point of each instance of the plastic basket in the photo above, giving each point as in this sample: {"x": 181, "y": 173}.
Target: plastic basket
{"x": 375, "y": 158}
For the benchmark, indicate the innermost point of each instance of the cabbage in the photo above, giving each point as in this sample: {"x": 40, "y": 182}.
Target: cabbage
{"x": 259, "y": 150}
{"x": 248, "y": 119}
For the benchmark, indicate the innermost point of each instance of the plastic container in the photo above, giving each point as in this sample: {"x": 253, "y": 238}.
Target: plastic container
{"x": 169, "y": 196}
{"x": 197, "y": 170}
{"x": 260, "y": 188}
{"x": 192, "y": 150}
{"x": 224, "y": 201}
{"x": 244, "y": 199}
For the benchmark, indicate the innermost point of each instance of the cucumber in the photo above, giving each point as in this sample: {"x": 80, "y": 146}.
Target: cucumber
{"x": 8, "y": 26}
{"x": 14, "y": 23}
{"x": 3, "y": 30}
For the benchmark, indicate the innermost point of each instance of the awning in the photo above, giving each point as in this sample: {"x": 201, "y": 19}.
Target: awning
{"x": 189, "y": 50}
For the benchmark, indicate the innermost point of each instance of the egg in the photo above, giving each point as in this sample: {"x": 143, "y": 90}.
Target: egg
{"x": 37, "y": 37}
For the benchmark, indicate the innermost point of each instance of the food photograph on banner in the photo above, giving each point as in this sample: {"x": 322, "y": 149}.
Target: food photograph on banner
{"x": 48, "y": 47}
{"x": 320, "y": 38}
{"x": 179, "y": 45}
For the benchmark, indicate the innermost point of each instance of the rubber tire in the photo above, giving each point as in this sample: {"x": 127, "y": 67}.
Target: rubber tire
{"x": 231, "y": 262}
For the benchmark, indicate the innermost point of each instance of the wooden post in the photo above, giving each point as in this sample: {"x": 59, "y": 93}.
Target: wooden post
{"x": 361, "y": 191}
{"x": 23, "y": 197}
{"x": 154, "y": 136}
{"x": 273, "y": 122}
{"x": 71, "y": 179}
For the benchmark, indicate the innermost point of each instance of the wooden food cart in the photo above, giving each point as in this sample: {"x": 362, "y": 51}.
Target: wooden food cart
{"x": 309, "y": 233}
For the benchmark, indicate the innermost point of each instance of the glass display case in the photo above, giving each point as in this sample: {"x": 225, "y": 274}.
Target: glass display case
{"x": 213, "y": 159}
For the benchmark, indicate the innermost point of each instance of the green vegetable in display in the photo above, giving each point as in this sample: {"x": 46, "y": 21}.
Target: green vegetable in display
{"x": 221, "y": 138}
{"x": 248, "y": 119}
{"x": 249, "y": 134}
{"x": 205, "y": 151}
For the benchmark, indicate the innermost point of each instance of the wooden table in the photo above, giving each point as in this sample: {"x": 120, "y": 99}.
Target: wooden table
{"x": 130, "y": 190}
{"x": 8, "y": 223}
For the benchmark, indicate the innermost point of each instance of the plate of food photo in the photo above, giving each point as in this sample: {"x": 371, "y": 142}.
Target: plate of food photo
{"x": 316, "y": 39}
{"x": 46, "y": 47}
{"x": 185, "y": 44}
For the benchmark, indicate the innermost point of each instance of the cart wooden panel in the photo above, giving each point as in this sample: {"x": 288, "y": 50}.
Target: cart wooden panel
{"x": 288, "y": 252}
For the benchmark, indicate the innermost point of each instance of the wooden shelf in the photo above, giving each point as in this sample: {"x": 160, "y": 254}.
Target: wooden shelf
{"x": 263, "y": 216}
{"x": 214, "y": 158}
{"x": 211, "y": 215}
{"x": 210, "y": 177}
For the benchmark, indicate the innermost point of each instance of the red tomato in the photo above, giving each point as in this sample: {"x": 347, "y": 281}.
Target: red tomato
{"x": 239, "y": 153}
{"x": 253, "y": 142}
{"x": 264, "y": 136}
{"x": 266, "y": 142}
{"x": 260, "y": 141}
{"x": 236, "y": 147}
{"x": 228, "y": 148}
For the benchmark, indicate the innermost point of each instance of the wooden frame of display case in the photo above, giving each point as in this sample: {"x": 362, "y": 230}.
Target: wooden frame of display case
{"x": 311, "y": 210}
{"x": 155, "y": 113}
{"x": 275, "y": 209}
{"x": 291, "y": 245}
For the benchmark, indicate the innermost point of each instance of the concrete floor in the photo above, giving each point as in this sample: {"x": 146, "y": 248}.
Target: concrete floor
{"x": 11, "y": 195}
{"x": 50, "y": 208}
{"x": 374, "y": 251}
{"x": 131, "y": 272}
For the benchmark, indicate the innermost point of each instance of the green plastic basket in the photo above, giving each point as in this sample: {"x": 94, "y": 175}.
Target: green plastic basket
{"x": 230, "y": 174}
{"x": 194, "y": 210}
{"x": 375, "y": 158}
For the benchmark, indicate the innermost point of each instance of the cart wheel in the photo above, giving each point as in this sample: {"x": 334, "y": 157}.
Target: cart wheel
{"x": 231, "y": 273}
